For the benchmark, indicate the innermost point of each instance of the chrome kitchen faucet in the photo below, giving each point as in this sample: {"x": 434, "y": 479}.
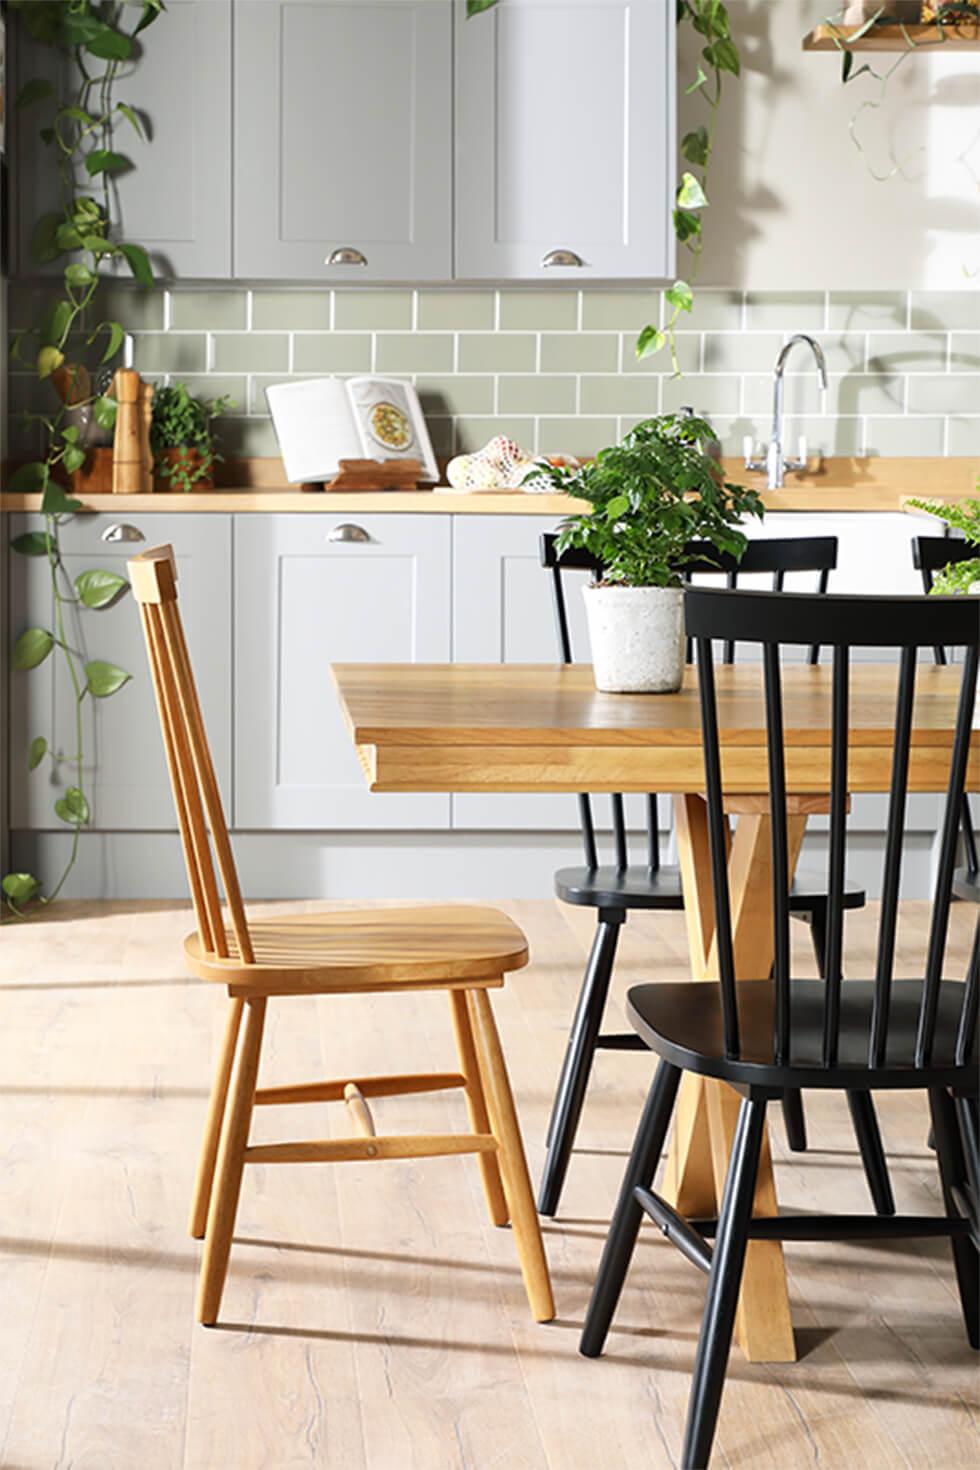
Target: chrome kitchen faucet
{"x": 775, "y": 463}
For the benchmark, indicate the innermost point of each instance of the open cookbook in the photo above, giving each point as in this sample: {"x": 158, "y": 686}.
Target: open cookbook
{"x": 320, "y": 421}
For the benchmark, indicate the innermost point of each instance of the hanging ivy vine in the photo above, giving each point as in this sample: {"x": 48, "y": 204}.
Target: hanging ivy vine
{"x": 78, "y": 130}
{"x": 719, "y": 56}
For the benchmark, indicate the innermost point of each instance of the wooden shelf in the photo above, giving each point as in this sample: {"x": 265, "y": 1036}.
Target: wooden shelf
{"x": 964, "y": 37}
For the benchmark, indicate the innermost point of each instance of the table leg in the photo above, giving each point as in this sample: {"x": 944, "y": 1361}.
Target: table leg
{"x": 707, "y": 1110}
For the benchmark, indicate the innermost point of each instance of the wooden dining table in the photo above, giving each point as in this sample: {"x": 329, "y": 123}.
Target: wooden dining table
{"x": 530, "y": 727}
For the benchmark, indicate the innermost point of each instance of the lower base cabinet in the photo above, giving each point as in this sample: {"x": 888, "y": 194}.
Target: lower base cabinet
{"x": 312, "y": 590}
{"x": 125, "y": 774}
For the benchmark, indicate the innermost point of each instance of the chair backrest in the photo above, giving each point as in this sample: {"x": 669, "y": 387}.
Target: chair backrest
{"x": 905, "y": 624}
{"x": 930, "y": 554}
{"x": 775, "y": 557}
{"x": 153, "y": 577}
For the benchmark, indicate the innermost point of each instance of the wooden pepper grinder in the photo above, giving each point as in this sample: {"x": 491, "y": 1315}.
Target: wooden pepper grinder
{"x": 146, "y": 453}
{"x": 127, "y": 456}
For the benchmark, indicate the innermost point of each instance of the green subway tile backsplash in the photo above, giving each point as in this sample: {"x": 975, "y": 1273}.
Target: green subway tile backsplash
{"x": 554, "y": 367}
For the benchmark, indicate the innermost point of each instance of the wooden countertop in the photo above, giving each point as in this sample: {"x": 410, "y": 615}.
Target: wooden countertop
{"x": 872, "y": 484}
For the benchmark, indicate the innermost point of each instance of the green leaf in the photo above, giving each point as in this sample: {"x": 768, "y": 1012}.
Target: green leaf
{"x": 650, "y": 340}
{"x": 680, "y": 296}
{"x": 48, "y": 359}
{"x": 726, "y": 58}
{"x": 73, "y": 458}
{"x": 46, "y": 136}
{"x": 78, "y": 274}
{"x": 31, "y": 648}
{"x": 104, "y": 411}
{"x": 151, "y": 10}
{"x": 138, "y": 262}
{"x": 55, "y": 502}
{"x": 70, "y": 435}
{"x": 104, "y": 678}
{"x": 34, "y": 91}
{"x": 110, "y": 45}
{"x": 56, "y": 322}
{"x": 477, "y": 7}
{"x": 32, "y": 543}
{"x": 77, "y": 114}
{"x": 115, "y": 339}
{"x": 72, "y": 807}
{"x": 130, "y": 117}
{"x": 695, "y": 147}
{"x": 96, "y": 588}
{"x": 699, "y": 81}
{"x": 96, "y": 244}
{"x": 43, "y": 244}
{"x": 617, "y": 507}
{"x": 686, "y": 224}
{"x": 690, "y": 194}
{"x": 38, "y": 750}
{"x": 20, "y": 887}
{"x": 30, "y": 477}
{"x": 104, "y": 161}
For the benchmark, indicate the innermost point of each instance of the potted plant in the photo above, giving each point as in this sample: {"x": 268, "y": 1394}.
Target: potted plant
{"x": 960, "y": 576}
{"x": 651, "y": 496}
{"x": 182, "y": 439}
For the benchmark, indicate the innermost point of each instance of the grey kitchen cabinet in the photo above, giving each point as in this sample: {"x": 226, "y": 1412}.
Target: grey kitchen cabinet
{"x": 311, "y": 590}
{"x": 343, "y": 139}
{"x": 176, "y": 201}
{"x": 565, "y": 139}
{"x": 502, "y": 613}
{"x": 125, "y": 772}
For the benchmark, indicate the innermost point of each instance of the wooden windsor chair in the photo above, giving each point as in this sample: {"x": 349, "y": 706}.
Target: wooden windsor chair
{"x": 624, "y": 885}
{"x": 764, "y": 1035}
{"x": 929, "y": 555}
{"x": 465, "y": 951}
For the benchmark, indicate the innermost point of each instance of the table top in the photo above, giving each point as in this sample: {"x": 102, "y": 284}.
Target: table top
{"x": 545, "y": 727}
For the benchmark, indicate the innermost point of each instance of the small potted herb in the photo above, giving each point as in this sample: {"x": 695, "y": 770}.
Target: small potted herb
{"x": 959, "y": 576}
{"x": 182, "y": 439}
{"x": 651, "y": 496}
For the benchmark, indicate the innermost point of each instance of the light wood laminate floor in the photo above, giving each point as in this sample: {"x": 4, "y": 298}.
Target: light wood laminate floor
{"x": 373, "y": 1320}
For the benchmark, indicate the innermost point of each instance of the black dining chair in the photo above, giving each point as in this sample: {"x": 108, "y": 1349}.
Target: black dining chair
{"x": 764, "y": 1035}
{"x": 616, "y": 888}
{"x": 929, "y": 555}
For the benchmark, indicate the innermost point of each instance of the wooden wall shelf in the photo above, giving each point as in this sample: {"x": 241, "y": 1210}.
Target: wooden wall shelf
{"x": 965, "y": 37}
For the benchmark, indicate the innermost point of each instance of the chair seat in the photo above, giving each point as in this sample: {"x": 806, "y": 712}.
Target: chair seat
{"x": 682, "y": 1022}
{"x": 639, "y": 888}
{"x": 430, "y": 947}
{"x": 966, "y": 885}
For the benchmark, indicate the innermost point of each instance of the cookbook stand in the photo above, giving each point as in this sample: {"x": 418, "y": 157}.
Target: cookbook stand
{"x": 372, "y": 474}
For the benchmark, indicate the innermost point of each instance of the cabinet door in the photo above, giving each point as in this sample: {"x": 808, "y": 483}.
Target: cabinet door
{"x": 176, "y": 201}
{"x": 503, "y": 613}
{"x": 125, "y": 772}
{"x": 343, "y": 137}
{"x": 304, "y": 599}
{"x": 565, "y": 138}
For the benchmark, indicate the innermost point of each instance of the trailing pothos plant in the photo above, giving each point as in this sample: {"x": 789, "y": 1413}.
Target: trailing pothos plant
{"x": 78, "y": 129}
{"x": 719, "y": 56}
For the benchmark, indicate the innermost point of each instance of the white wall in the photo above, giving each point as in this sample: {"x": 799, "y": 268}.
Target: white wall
{"x": 793, "y": 202}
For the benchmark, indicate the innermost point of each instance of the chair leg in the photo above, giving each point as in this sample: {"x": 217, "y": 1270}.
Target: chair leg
{"x": 861, "y": 1104}
{"x": 231, "y": 1164}
{"x": 476, "y": 1106}
{"x": 510, "y": 1152}
{"x": 953, "y": 1174}
{"x": 212, "y": 1127}
{"x": 868, "y": 1136}
{"x": 794, "y": 1120}
{"x": 625, "y": 1227}
{"x": 715, "y": 1341}
{"x": 577, "y": 1065}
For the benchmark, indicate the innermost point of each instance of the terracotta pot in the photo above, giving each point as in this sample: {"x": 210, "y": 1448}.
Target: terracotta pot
{"x": 190, "y": 460}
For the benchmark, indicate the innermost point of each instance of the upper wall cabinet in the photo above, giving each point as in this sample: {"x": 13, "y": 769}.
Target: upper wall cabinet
{"x": 343, "y": 138}
{"x": 565, "y": 139}
{"x": 176, "y": 201}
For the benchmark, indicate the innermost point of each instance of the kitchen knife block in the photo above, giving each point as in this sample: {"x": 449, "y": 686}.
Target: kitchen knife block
{"x": 372, "y": 474}
{"x": 132, "y": 458}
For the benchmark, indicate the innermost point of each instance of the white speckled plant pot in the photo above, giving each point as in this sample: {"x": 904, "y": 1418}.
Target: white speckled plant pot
{"x": 637, "y": 637}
